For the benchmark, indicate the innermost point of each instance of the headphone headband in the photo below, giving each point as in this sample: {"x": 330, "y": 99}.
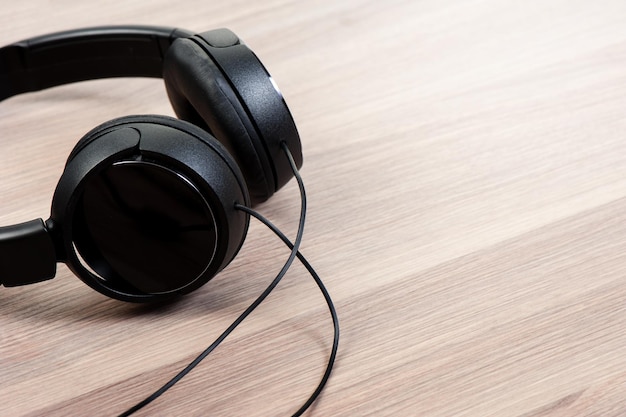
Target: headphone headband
{"x": 84, "y": 54}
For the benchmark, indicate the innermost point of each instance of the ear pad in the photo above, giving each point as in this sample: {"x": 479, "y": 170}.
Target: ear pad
{"x": 145, "y": 208}
{"x": 239, "y": 105}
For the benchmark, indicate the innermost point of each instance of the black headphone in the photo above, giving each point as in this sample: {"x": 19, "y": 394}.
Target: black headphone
{"x": 150, "y": 207}
{"x": 145, "y": 207}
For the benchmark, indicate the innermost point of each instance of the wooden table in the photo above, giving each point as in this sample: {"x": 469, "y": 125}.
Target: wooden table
{"x": 466, "y": 170}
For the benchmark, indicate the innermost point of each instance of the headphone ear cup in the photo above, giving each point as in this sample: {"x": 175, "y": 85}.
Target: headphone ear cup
{"x": 145, "y": 208}
{"x": 200, "y": 94}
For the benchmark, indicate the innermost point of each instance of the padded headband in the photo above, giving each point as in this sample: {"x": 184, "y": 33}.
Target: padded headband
{"x": 85, "y": 54}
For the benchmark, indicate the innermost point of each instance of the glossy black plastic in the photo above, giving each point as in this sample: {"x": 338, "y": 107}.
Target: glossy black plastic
{"x": 200, "y": 186}
{"x": 145, "y": 226}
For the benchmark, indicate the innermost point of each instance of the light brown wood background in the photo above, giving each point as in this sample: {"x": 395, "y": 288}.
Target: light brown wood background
{"x": 466, "y": 169}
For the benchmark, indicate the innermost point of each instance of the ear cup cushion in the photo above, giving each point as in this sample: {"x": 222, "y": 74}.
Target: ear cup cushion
{"x": 200, "y": 94}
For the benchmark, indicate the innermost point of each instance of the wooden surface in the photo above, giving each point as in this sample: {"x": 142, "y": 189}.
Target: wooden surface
{"x": 466, "y": 169}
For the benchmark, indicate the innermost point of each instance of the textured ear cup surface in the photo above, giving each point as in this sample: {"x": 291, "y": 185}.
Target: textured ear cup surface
{"x": 182, "y": 125}
{"x": 200, "y": 94}
{"x": 143, "y": 194}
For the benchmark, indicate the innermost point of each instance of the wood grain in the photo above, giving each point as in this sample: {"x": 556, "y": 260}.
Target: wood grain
{"x": 466, "y": 169}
